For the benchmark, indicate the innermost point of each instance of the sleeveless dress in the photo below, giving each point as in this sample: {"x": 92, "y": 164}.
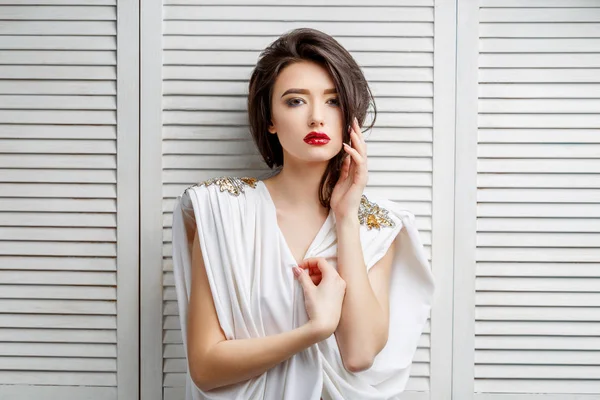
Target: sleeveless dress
{"x": 249, "y": 269}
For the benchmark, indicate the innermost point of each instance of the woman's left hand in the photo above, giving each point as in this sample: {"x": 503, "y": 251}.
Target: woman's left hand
{"x": 345, "y": 199}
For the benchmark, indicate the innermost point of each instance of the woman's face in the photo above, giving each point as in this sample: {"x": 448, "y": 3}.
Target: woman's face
{"x": 304, "y": 101}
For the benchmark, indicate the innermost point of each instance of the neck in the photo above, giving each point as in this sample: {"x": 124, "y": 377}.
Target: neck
{"x": 297, "y": 184}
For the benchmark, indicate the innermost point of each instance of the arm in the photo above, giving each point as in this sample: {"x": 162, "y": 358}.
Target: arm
{"x": 215, "y": 361}
{"x": 364, "y": 324}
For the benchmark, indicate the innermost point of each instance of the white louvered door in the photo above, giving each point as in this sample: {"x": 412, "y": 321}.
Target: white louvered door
{"x": 209, "y": 49}
{"x": 536, "y": 266}
{"x": 68, "y": 221}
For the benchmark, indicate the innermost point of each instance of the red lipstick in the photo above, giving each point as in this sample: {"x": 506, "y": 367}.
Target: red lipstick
{"x": 317, "y": 138}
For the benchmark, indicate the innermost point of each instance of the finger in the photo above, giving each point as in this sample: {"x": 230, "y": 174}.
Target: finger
{"x": 303, "y": 278}
{"x": 358, "y": 144}
{"x": 321, "y": 265}
{"x": 357, "y": 129}
{"x": 356, "y": 157}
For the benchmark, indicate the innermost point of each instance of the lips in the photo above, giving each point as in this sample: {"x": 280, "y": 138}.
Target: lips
{"x": 317, "y": 138}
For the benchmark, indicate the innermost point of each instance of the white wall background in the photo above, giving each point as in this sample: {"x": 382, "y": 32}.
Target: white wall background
{"x": 489, "y": 130}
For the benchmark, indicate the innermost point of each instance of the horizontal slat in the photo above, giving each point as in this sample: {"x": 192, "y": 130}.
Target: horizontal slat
{"x": 539, "y": 165}
{"x": 87, "y": 161}
{"x": 58, "y": 117}
{"x": 65, "y": 307}
{"x": 57, "y": 292}
{"x": 538, "y": 240}
{"x": 528, "y": 328}
{"x": 555, "y": 386}
{"x": 58, "y": 176}
{"x": 27, "y": 103}
{"x": 74, "y": 13}
{"x": 540, "y": 106}
{"x": 540, "y": 343}
{"x": 57, "y": 132}
{"x": 58, "y": 350}
{"x": 57, "y": 364}
{"x": 95, "y": 190}
{"x": 58, "y": 234}
{"x": 538, "y": 4}
{"x": 307, "y": 3}
{"x": 70, "y": 87}
{"x": 41, "y": 335}
{"x": 358, "y": 43}
{"x": 58, "y": 321}
{"x": 537, "y": 313}
{"x": 58, "y": 57}
{"x": 58, "y": 278}
{"x": 538, "y": 135}
{"x": 64, "y": 378}
{"x": 56, "y": 219}
{"x": 539, "y": 195}
{"x": 542, "y": 91}
{"x": 538, "y": 75}
{"x": 534, "y": 284}
{"x": 61, "y": 72}
{"x": 70, "y": 205}
{"x": 537, "y": 371}
{"x": 30, "y": 248}
{"x": 38, "y": 42}
{"x": 333, "y": 28}
{"x": 57, "y": 263}
{"x": 75, "y": 28}
{"x": 57, "y": 146}
{"x": 539, "y": 30}
{"x": 534, "y": 210}
{"x": 574, "y": 255}
{"x": 571, "y": 14}
{"x": 57, "y": 392}
{"x": 539, "y": 120}
{"x": 539, "y": 270}
{"x": 541, "y": 45}
{"x": 561, "y": 299}
{"x": 275, "y": 13}
{"x": 569, "y": 181}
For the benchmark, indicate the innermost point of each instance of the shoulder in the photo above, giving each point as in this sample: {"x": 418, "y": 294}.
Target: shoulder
{"x": 380, "y": 213}
{"x": 229, "y": 185}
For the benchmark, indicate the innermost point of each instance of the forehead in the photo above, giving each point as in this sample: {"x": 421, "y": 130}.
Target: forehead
{"x": 304, "y": 75}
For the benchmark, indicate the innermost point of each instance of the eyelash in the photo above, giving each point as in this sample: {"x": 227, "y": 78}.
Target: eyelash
{"x": 289, "y": 102}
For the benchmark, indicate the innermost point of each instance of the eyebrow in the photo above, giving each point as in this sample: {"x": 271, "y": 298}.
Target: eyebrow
{"x": 305, "y": 91}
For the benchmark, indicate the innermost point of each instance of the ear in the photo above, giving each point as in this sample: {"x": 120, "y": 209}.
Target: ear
{"x": 272, "y": 128}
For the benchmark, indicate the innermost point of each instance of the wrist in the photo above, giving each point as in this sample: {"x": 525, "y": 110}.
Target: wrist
{"x": 317, "y": 332}
{"x": 347, "y": 222}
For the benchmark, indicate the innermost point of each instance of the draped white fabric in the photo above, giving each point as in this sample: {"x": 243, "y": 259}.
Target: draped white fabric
{"x": 249, "y": 267}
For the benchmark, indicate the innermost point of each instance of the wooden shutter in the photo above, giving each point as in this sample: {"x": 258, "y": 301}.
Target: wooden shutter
{"x": 68, "y": 197}
{"x": 538, "y": 180}
{"x": 209, "y": 52}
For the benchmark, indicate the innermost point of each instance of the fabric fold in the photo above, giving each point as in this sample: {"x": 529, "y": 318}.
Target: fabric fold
{"x": 256, "y": 294}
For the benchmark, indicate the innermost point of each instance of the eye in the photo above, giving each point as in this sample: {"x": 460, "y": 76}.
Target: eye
{"x": 294, "y": 102}
{"x": 335, "y": 101}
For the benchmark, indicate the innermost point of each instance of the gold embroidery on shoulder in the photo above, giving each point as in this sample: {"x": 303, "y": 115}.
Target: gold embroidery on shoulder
{"x": 373, "y": 216}
{"x": 232, "y": 184}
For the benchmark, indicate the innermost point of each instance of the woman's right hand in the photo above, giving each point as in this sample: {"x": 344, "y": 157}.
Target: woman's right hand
{"x": 323, "y": 301}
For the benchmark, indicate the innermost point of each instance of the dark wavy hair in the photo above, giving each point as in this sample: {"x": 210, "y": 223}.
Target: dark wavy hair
{"x": 354, "y": 94}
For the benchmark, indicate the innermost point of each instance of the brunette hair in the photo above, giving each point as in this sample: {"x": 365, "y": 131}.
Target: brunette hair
{"x": 354, "y": 94}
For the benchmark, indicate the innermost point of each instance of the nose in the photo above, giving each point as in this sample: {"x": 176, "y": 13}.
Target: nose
{"x": 316, "y": 116}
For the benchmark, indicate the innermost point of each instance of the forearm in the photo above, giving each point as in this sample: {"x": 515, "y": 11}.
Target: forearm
{"x": 233, "y": 361}
{"x": 361, "y": 333}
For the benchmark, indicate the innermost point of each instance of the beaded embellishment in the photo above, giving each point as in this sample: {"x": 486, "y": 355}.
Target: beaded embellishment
{"x": 373, "y": 216}
{"x": 232, "y": 184}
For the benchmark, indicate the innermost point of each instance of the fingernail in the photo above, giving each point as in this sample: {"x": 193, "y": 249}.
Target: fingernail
{"x": 296, "y": 271}
{"x": 355, "y": 120}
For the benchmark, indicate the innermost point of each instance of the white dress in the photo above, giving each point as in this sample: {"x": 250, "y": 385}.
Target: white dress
{"x": 249, "y": 268}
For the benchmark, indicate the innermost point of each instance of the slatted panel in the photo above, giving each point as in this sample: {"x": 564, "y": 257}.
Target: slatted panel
{"x": 209, "y": 52}
{"x": 538, "y": 225}
{"x": 58, "y": 200}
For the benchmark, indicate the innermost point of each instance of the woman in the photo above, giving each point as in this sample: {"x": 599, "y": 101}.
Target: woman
{"x": 300, "y": 286}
